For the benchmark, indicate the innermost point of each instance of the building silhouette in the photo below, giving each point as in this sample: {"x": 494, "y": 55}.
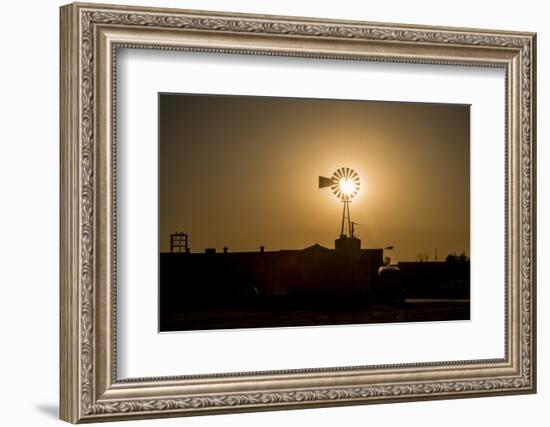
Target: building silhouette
{"x": 310, "y": 277}
{"x": 314, "y": 285}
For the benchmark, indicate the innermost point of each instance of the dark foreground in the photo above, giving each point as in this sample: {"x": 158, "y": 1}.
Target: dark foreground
{"x": 412, "y": 310}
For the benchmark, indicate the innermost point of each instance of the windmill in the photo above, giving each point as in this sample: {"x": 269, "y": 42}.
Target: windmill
{"x": 345, "y": 184}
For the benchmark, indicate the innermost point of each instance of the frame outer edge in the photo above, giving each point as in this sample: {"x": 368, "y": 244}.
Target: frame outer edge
{"x": 68, "y": 226}
{"x": 78, "y": 340}
{"x": 533, "y": 205}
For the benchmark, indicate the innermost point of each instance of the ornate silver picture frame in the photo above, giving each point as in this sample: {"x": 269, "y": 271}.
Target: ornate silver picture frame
{"x": 91, "y": 36}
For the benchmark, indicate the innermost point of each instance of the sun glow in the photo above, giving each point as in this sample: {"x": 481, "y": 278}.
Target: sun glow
{"x": 347, "y": 186}
{"x": 344, "y": 183}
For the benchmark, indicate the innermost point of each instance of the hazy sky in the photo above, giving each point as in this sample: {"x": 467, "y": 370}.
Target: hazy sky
{"x": 242, "y": 172}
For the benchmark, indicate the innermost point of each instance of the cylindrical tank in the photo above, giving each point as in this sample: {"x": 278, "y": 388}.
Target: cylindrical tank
{"x": 390, "y": 284}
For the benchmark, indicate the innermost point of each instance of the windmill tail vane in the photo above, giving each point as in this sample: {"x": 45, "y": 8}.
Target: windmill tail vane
{"x": 325, "y": 182}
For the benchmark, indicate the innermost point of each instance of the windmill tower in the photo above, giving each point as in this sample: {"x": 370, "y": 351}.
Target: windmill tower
{"x": 345, "y": 184}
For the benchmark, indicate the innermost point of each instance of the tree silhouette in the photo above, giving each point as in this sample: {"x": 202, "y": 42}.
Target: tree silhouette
{"x": 453, "y": 257}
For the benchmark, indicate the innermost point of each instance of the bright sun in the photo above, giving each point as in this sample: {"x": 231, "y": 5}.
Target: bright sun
{"x": 346, "y": 186}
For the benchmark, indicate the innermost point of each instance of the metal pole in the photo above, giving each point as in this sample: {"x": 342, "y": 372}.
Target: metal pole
{"x": 346, "y": 220}
{"x": 350, "y": 229}
{"x": 343, "y": 219}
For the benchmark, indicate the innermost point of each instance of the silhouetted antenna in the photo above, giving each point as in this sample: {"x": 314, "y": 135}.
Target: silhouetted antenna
{"x": 345, "y": 184}
{"x": 178, "y": 242}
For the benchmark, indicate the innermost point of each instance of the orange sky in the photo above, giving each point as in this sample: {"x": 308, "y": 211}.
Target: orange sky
{"x": 242, "y": 172}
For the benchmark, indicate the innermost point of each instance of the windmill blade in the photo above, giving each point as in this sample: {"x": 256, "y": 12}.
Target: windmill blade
{"x": 324, "y": 182}
{"x": 338, "y": 174}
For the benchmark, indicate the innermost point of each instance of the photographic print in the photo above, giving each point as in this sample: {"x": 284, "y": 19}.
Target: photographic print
{"x": 278, "y": 212}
